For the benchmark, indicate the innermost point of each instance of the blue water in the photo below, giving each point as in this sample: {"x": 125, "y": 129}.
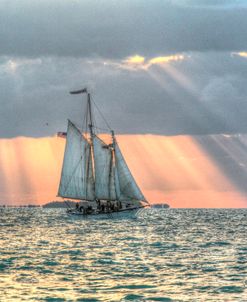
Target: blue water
{"x": 163, "y": 255}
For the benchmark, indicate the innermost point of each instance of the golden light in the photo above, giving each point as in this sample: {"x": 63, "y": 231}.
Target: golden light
{"x": 240, "y": 54}
{"x": 180, "y": 78}
{"x": 168, "y": 169}
{"x": 177, "y": 170}
{"x": 139, "y": 62}
{"x": 30, "y": 169}
{"x": 165, "y": 59}
{"x": 136, "y": 60}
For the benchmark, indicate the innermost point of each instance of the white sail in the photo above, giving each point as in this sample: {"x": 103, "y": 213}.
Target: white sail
{"x": 112, "y": 180}
{"x": 126, "y": 186}
{"x": 103, "y": 168}
{"x": 117, "y": 185}
{"x": 90, "y": 185}
{"x": 77, "y": 176}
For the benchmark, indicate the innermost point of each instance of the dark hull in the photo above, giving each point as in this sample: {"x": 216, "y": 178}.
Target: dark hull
{"x": 125, "y": 213}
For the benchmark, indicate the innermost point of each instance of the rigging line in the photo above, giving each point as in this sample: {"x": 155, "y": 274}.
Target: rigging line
{"x": 86, "y": 121}
{"x": 84, "y": 118}
{"x": 110, "y": 174}
{"x": 84, "y": 124}
{"x": 115, "y": 174}
{"x": 102, "y": 142}
{"x": 104, "y": 129}
{"x": 101, "y": 115}
{"x": 85, "y": 138}
{"x": 83, "y": 134}
{"x": 92, "y": 158}
{"x": 67, "y": 204}
{"x": 94, "y": 121}
{"x": 78, "y": 127}
{"x": 87, "y": 171}
{"x": 86, "y": 167}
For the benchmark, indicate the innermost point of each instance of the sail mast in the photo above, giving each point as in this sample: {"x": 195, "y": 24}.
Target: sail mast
{"x": 91, "y": 134}
{"x": 90, "y": 115}
{"x": 90, "y": 125}
{"x": 113, "y": 168}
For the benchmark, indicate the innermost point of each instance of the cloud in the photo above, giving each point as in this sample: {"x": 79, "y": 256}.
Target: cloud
{"x": 137, "y": 62}
{"x": 115, "y": 31}
{"x": 211, "y": 4}
{"x": 201, "y": 95}
{"x": 240, "y": 54}
{"x": 165, "y": 59}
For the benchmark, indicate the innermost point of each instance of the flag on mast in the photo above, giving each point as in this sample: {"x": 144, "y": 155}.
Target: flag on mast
{"x": 84, "y": 90}
{"x": 62, "y": 134}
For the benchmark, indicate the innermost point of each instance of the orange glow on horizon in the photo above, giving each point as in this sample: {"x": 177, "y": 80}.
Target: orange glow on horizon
{"x": 30, "y": 169}
{"x": 168, "y": 169}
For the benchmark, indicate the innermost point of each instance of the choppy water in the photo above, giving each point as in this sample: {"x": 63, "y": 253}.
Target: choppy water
{"x": 163, "y": 255}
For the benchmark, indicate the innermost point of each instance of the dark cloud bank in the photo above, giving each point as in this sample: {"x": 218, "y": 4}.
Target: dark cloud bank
{"x": 48, "y": 48}
{"x": 116, "y": 29}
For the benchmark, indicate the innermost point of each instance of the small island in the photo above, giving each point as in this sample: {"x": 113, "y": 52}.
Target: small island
{"x": 59, "y": 204}
{"x": 160, "y": 206}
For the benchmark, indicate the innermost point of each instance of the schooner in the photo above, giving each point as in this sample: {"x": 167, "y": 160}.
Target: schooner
{"x": 95, "y": 173}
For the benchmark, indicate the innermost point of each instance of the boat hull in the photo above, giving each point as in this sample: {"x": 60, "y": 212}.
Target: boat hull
{"x": 124, "y": 214}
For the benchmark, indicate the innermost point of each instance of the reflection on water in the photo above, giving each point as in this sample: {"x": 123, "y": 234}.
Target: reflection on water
{"x": 163, "y": 255}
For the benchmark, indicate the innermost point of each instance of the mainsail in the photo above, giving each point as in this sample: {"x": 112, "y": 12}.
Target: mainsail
{"x": 113, "y": 189}
{"x": 77, "y": 173}
{"x": 103, "y": 167}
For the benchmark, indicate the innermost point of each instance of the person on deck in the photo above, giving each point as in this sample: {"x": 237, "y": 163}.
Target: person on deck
{"x": 89, "y": 210}
{"x": 98, "y": 204}
{"x": 108, "y": 206}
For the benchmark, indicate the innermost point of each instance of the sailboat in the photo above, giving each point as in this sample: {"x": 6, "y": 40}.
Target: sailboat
{"x": 95, "y": 173}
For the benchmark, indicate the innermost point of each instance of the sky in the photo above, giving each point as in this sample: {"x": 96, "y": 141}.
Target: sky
{"x": 160, "y": 71}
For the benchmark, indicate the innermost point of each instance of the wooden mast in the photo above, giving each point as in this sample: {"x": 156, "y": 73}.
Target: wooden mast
{"x": 90, "y": 116}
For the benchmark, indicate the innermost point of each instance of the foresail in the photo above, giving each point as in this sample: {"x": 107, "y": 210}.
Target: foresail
{"x": 104, "y": 170}
{"x": 126, "y": 185}
{"x": 77, "y": 176}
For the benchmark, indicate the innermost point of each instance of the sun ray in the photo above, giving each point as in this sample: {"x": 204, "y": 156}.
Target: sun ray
{"x": 180, "y": 78}
{"x": 176, "y": 169}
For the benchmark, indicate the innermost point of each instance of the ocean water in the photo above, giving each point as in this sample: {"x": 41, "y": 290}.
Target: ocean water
{"x": 162, "y": 255}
